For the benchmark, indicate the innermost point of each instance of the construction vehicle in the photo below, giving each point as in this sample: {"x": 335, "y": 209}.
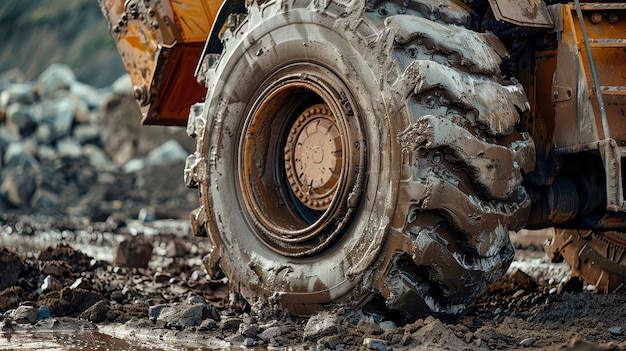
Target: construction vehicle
{"x": 381, "y": 151}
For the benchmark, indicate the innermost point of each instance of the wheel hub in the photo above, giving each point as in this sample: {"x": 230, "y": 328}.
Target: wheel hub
{"x": 313, "y": 157}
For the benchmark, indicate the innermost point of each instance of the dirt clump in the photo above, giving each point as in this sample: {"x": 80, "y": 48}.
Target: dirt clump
{"x": 172, "y": 299}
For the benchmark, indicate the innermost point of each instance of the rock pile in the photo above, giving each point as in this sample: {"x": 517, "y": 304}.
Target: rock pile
{"x": 68, "y": 148}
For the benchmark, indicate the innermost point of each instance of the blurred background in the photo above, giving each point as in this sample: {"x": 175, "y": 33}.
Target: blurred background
{"x": 38, "y": 33}
{"x": 70, "y": 136}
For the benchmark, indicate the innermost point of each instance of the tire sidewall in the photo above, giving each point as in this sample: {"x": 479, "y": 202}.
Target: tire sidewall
{"x": 270, "y": 43}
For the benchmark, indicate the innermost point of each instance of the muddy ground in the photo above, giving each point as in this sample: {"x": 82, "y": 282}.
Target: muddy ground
{"x": 71, "y": 286}
{"x": 108, "y": 263}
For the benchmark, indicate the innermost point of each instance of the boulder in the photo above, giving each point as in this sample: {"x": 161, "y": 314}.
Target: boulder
{"x": 86, "y": 93}
{"x": 59, "y": 114}
{"x": 122, "y": 85}
{"x": 88, "y": 134}
{"x": 70, "y": 147}
{"x": 22, "y": 118}
{"x": 17, "y": 93}
{"x": 169, "y": 152}
{"x": 56, "y": 77}
{"x": 98, "y": 159}
{"x": 19, "y": 176}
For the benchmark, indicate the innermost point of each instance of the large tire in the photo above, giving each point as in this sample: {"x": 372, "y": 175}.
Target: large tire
{"x": 599, "y": 258}
{"x": 413, "y": 123}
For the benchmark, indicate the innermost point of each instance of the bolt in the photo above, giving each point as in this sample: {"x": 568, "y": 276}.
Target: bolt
{"x": 596, "y": 17}
{"x": 613, "y": 18}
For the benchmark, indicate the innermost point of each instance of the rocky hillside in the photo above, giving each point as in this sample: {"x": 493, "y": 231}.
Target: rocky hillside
{"x": 70, "y": 138}
{"x": 37, "y": 33}
{"x": 67, "y": 148}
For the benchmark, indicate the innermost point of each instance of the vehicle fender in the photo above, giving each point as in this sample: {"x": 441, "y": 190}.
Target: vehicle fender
{"x": 525, "y": 13}
{"x": 213, "y": 45}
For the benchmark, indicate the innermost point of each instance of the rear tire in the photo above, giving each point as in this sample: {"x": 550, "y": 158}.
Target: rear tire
{"x": 424, "y": 159}
{"x": 599, "y": 258}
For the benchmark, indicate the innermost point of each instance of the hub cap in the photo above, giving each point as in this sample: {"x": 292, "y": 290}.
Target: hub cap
{"x": 300, "y": 160}
{"x": 313, "y": 157}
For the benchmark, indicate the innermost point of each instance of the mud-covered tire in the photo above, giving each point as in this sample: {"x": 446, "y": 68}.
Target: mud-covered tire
{"x": 598, "y": 258}
{"x": 428, "y": 184}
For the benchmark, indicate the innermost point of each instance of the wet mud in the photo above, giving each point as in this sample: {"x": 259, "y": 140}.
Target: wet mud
{"x": 64, "y": 292}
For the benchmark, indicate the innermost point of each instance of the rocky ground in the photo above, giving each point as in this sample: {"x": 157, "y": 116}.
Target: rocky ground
{"x": 95, "y": 252}
{"x": 131, "y": 284}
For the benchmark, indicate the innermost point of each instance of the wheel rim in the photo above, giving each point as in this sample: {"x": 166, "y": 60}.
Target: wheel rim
{"x": 299, "y": 160}
{"x": 313, "y": 157}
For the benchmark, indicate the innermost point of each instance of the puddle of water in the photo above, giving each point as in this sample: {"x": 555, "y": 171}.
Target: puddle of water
{"x": 69, "y": 341}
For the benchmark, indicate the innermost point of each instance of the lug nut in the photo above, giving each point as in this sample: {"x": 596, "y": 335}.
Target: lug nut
{"x": 596, "y": 17}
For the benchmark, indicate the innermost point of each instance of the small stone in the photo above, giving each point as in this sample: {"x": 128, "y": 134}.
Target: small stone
{"x": 248, "y": 342}
{"x": 154, "y": 311}
{"x": 44, "y": 312}
{"x": 113, "y": 314}
{"x": 117, "y": 296}
{"x": 81, "y": 283}
{"x": 375, "y": 344}
{"x": 69, "y": 147}
{"x": 208, "y": 324}
{"x": 51, "y": 283}
{"x": 96, "y": 313}
{"x": 270, "y": 332}
{"x": 186, "y": 315}
{"x": 57, "y": 268}
{"x": 249, "y": 331}
{"x": 25, "y": 314}
{"x": 617, "y": 331}
{"x": 196, "y": 299}
{"x": 147, "y": 214}
{"x": 230, "y": 324}
{"x": 527, "y": 342}
{"x": 388, "y": 325}
{"x": 6, "y": 325}
{"x": 332, "y": 341}
{"x": 396, "y": 339}
{"x": 320, "y": 325}
{"x": 161, "y": 277}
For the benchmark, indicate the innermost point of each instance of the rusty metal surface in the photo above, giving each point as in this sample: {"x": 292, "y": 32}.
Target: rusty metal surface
{"x": 314, "y": 157}
{"x": 573, "y": 91}
{"x": 528, "y": 13}
{"x": 160, "y": 43}
{"x": 599, "y": 258}
{"x": 577, "y": 109}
